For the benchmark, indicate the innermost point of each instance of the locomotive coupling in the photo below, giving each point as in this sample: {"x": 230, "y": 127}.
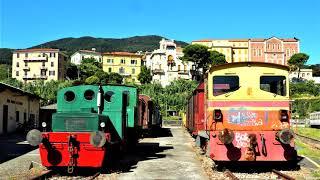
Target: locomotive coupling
{"x": 34, "y": 137}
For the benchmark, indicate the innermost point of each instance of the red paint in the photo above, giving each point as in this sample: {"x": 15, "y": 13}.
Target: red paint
{"x": 57, "y": 154}
{"x": 275, "y": 151}
{"x": 248, "y": 103}
{"x": 196, "y": 121}
{"x": 145, "y": 111}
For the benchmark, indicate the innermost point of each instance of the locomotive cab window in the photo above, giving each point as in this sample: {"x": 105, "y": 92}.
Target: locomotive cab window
{"x": 225, "y": 84}
{"x": 108, "y": 95}
{"x": 89, "y": 94}
{"x": 69, "y": 96}
{"x": 273, "y": 84}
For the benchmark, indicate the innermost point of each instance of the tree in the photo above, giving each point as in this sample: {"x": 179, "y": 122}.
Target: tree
{"x": 217, "y": 58}
{"x": 115, "y": 78}
{"x": 71, "y": 70}
{"x": 297, "y": 61}
{"x": 145, "y": 76}
{"x": 92, "y": 80}
{"x": 198, "y": 54}
{"x": 5, "y": 71}
{"x": 88, "y": 67}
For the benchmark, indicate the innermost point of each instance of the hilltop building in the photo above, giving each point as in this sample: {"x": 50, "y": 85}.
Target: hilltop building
{"x": 78, "y": 56}
{"x": 272, "y": 50}
{"x": 165, "y": 64}
{"x": 125, "y": 63}
{"x": 38, "y": 64}
{"x": 17, "y": 107}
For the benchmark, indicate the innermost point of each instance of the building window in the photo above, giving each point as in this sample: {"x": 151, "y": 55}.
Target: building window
{"x": 133, "y": 61}
{"x": 109, "y": 61}
{"x": 18, "y": 55}
{"x": 133, "y": 70}
{"x": 185, "y": 68}
{"x": 26, "y": 55}
{"x": 25, "y": 64}
{"x": 17, "y": 73}
{"x": 302, "y": 74}
{"x": 43, "y": 64}
{"x": 24, "y": 117}
{"x": 43, "y": 54}
{"x": 178, "y": 67}
{"x": 121, "y": 70}
{"x": 25, "y": 73}
{"x": 54, "y": 54}
{"x": 52, "y": 64}
{"x": 110, "y": 70}
{"x": 308, "y": 74}
{"x": 17, "y": 116}
{"x": 17, "y": 64}
{"x": 254, "y": 52}
{"x": 123, "y": 61}
{"x": 278, "y": 46}
{"x": 52, "y": 73}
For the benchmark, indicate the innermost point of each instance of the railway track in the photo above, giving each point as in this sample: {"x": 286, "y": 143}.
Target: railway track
{"x": 281, "y": 175}
{"x": 312, "y": 142}
{"x": 49, "y": 174}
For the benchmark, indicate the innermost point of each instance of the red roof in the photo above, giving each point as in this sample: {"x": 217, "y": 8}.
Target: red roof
{"x": 88, "y": 51}
{"x": 251, "y": 39}
{"x": 121, "y": 54}
{"x": 37, "y": 50}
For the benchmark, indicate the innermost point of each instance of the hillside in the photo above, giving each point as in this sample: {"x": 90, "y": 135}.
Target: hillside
{"x": 71, "y": 45}
{"x": 131, "y": 44}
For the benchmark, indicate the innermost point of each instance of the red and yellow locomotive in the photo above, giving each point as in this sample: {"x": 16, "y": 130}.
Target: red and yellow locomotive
{"x": 241, "y": 112}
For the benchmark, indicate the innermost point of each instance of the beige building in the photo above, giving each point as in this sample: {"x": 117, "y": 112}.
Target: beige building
{"x": 125, "y": 63}
{"x": 17, "y": 107}
{"x": 38, "y": 64}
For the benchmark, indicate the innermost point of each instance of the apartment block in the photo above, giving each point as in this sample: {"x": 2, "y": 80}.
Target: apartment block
{"x": 272, "y": 50}
{"x": 125, "y": 63}
{"x": 38, "y": 64}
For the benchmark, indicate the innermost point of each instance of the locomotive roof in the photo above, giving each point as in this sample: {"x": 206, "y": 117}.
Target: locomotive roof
{"x": 234, "y": 64}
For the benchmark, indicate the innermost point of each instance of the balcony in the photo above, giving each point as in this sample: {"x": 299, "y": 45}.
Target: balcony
{"x": 158, "y": 71}
{"x": 36, "y": 59}
{"x": 43, "y": 68}
{"x": 183, "y": 72}
{"x": 26, "y": 68}
{"x": 26, "y": 77}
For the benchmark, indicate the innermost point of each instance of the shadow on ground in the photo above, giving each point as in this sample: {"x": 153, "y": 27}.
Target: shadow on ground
{"x": 258, "y": 167}
{"x": 157, "y": 132}
{"x": 12, "y": 146}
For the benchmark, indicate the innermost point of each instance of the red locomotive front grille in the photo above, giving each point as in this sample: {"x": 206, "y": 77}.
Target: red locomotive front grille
{"x": 57, "y": 153}
{"x": 238, "y": 149}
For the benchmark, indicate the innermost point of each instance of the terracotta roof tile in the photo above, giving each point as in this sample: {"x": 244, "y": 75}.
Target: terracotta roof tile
{"x": 121, "y": 54}
{"x": 38, "y": 50}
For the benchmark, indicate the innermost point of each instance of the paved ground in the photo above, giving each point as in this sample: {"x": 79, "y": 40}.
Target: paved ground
{"x": 11, "y": 146}
{"x": 168, "y": 157}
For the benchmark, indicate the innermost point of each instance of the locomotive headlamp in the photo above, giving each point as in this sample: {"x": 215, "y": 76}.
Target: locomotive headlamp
{"x": 226, "y": 136}
{"x": 102, "y": 124}
{"x": 34, "y": 137}
{"x": 97, "y": 139}
{"x": 285, "y": 136}
{"x": 44, "y": 124}
{"x": 217, "y": 115}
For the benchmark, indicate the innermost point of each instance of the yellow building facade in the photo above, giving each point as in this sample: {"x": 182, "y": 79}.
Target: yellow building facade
{"x": 235, "y": 50}
{"x": 125, "y": 63}
{"x": 38, "y": 64}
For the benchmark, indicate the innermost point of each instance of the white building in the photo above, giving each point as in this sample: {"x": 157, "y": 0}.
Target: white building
{"x": 305, "y": 74}
{"x": 78, "y": 56}
{"x": 165, "y": 64}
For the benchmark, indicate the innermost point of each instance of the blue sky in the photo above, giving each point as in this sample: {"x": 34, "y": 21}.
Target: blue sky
{"x": 25, "y": 23}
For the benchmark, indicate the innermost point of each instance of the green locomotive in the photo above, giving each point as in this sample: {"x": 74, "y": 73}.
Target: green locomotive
{"x": 89, "y": 122}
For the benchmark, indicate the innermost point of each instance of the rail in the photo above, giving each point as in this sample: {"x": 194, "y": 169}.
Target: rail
{"x": 312, "y": 142}
{"x": 281, "y": 175}
{"x": 171, "y": 122}
{"x": 230, "y": 175}
{"x": 44, "y": 175}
